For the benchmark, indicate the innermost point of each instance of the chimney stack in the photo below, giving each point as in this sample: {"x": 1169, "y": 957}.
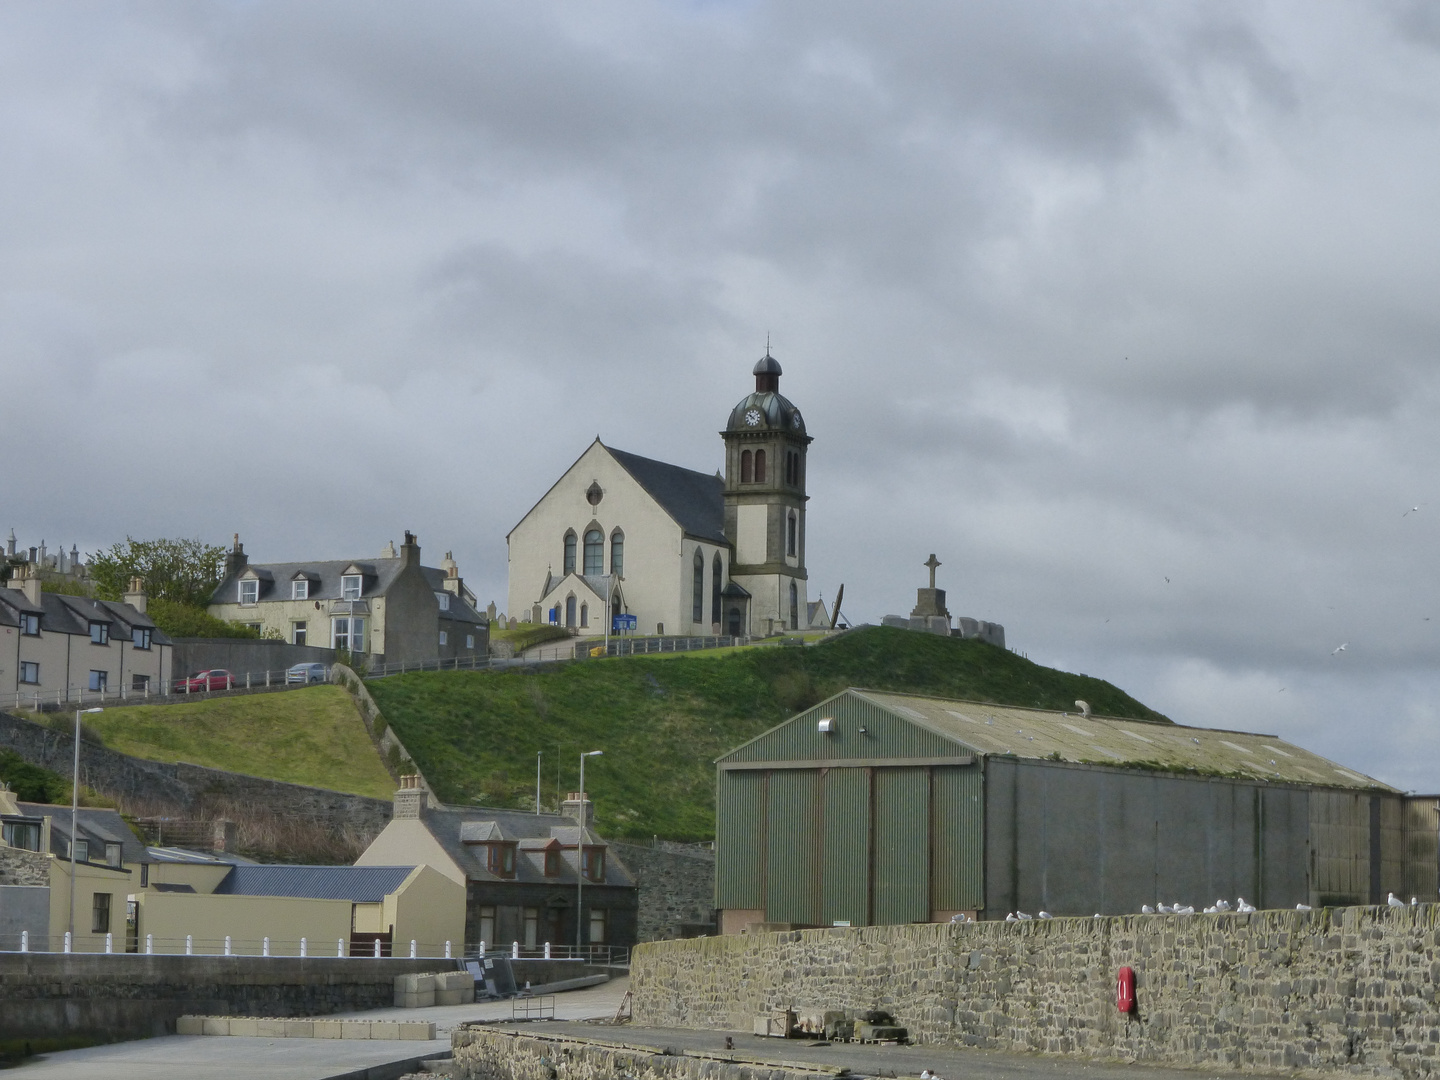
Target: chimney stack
{"x": 30, "y": 582}
{"x": 135, "y": 595}
{"x": 571, "y": 808}
{"x": 411, "y": 800}
{"x": 410, "y": 550}
{"x": 236, "y": 559}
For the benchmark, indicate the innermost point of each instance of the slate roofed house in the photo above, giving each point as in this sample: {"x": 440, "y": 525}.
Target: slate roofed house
{"x": 390, "y": 608}
{"x": 58, "y": 646}
{"x": 521, "y": 871}
{"x": 873, "y": 808}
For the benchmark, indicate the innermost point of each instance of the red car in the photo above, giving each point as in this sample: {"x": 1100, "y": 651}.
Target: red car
{"x": 201, "y": 681}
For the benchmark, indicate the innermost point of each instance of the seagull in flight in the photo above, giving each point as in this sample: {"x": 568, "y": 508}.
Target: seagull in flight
{"x": 1412, "y": 510}
{"x": 1339, "y": 649}
{"x": 1167, "y": 580}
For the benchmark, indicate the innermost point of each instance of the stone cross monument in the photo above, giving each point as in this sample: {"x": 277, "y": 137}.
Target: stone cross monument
{"x": 930, "y": 603}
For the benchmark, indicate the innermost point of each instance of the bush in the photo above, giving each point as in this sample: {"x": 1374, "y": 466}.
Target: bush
{"x": 30, "y": 782}
{"x": 184, "y": 620}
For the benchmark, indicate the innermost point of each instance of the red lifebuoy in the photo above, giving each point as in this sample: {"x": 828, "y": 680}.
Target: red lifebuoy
{"x": 1125, "y": 990}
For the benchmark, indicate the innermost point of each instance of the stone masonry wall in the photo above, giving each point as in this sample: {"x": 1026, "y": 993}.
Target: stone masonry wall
{"x": 677, "y": 887}
{"x": 1345, "y": 988}
{"x": 20, "y": 867}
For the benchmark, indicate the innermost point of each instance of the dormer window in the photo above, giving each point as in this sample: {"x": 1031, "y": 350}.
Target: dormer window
{"x": 553, "y": 863}
{"x": 250, "y": 591}
{"x": 443, "y": 599}
{"x": 300, "y": 589}
{"x": 30, "y": 624}
{"x": 500, "y": 859}
{"x": 99, "y": 633}
{"x": 140, "y": 637}
{"x": 592, "y": 863}
{"x": 350, "y": 587}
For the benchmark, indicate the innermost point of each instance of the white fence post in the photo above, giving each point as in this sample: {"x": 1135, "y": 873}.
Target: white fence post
{"x": 547, "y": 950}
{"x": 377, "y": 948}
{"x": 482, "y": 948}
{"x": 265, "y": 947}
{"x": 412, "y": 948}
{"x": 109, "y": 943}
{"x": 67, "y": 940}
{"x": 515, "y": 950}
{"x": 24, "y": 940}
{"x": 302, "y": 946}
{"x": 340, "y": 946}
{"x": 447, "y": 950}
{"x": 189, "y": 945}
{"x": 227, "y": 945}
{"x": 149, "y": 944}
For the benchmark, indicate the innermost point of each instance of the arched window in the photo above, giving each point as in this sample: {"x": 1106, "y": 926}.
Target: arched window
{"x": 792, "y": 528}
{"x": 570, "y": 610}
{"x": 717, "y": 569}
{"x": 584, "y": 614}
{"x": 570, "y": 552}
{"x": 697, "y": 605}
{"x": 617, "y": 553}
{"x": 759, "y": 466}
{"x": 747, "y": 467}
{"x": 794, "y": 607}
{"x": 594, "y": 552}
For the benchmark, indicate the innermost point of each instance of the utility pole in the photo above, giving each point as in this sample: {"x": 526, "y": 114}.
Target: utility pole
{"x": 580, "y": 856}
{"x": 75, "y": 813}
{"x": 538, "y": 753}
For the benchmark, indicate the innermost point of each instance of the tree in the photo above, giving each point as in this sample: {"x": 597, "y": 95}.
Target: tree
{"x": 183, "y": 571}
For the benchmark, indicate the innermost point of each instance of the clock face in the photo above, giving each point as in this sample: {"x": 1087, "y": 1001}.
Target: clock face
{"x": 795, "y": 420}
{"x": 752, "y": 418}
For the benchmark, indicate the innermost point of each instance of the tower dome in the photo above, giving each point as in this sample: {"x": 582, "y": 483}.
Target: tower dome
{"x": 766, "y": 409}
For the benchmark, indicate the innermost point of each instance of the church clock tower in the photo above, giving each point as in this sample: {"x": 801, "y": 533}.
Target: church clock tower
{"x": 765, "y": 446}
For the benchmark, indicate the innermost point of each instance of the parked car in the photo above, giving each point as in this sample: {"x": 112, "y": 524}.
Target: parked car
{"x": 306, "y": 673}
{"x": 201, "y": 681}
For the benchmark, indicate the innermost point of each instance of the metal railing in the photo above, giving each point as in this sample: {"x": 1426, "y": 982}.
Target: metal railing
{"x": 624, "y": 646}
{"x": 163, "y": 692}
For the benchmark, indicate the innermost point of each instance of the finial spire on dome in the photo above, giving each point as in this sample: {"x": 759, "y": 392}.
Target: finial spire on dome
{"x": 767, "y": 372}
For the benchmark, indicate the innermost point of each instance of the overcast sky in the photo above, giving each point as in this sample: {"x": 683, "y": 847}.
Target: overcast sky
{"x": 1081, "y": 297}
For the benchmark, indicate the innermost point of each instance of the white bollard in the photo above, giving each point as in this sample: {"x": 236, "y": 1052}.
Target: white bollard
{"x": 189, "y": 945}
{"x": 514, "y": 950}
{"x": 109, "y": 943}
{"x": 149, "y": 944}
{"x": 482, "y": 949}
{"x": 412, "y": 948}
{"x": 67, "y": 940}
{"x": 302, "y": 946}
{"x": 547, "y": 950}
{"x": 227, "y": 945}
{"x": 447, "y": 950}
{"x": 340, "y": 946}
{"x": 265, "y": 947}
{"x": 377, "y": 948}
{"x": 24, "y": 940}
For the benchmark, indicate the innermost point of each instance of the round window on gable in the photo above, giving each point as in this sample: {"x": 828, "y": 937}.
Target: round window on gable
{"x": 594, "y": 493}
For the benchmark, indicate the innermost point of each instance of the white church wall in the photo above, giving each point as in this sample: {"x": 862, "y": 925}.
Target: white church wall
{"x": 752, "y": 531}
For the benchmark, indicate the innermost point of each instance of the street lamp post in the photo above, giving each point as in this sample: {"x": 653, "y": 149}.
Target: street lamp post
{"x": 75, "y": 812}
{"x": 580, "y": 855}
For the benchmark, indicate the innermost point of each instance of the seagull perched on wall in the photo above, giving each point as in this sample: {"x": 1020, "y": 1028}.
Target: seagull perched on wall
{"x": 1395, "y": 901}
{"x": 1023, "y": 917}
{"x": 1211, "y": 910}
{"x": 1242, "y": 906}
{"x": 1146, "y": 909}
{"x": 1188, "y": 909}
{"x": 1222, "y": 905}
{"x": 1303, "y": 907}
{"x": 1011, "y": 917}
{"x": 1164, "y": 908}
{"x": 1414, "y": 901}
{"x": 1046, "y": 915}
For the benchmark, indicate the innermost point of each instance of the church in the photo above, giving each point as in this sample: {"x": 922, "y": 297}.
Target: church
{"x": 680, "y": 552}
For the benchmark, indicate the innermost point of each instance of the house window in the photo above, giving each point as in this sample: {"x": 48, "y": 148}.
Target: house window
{"x": 444, "y": 637}
{"x": 257, "y": 627}
{"x": 297, "y": 633}
{"x": 487, "y": 925}
{"x": 594, "y": 552}
{"x": 592, "y": 863}
{"x": 584, "y": 614}
{"x": 100, "y": 914}
{"x": 99, "y": 680}
{"x": 30, "y": 624}
{"x": 717, "y": 571}
{"x": 532, "y": 927}
{"x": 794, "y": 607}
{"x": 617, "y": 553}
{"x": 747, "y": 467}
{"x": 759, "y": 466}
{"x": 82, "y": 850}
{"x": 469, "y": 641}
{"x": 340, "y": 633}
{"x": 570, "y": 552}
{"x": 350, "y": 587}
{"x": 697, "y": 591}
{"x": 99, "y": 633}
{"x": 443, "y": 599}
{"x": 570, "y": 611}
{"x": 249, "y": 591}
{"x": 597, "y": 926}
{"x": 112, "y": 853}
{"x": 140, "y": 683}
{"x": 140, "y": 637}
{"x": 792, "y": 529}
{"x": 29, "y": 672}
{"x": 500, "y": 859}
{"x": 552, "y": 862}
{"x": 145, "y": 875}
{"x": 300, "y": 589}
{"x": 25, "y": 835}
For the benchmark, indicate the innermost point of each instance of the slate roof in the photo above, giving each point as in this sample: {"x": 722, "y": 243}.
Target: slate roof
{"x": 61, "y": 614}
{"x": 358, "y": 884}
{"x": 695, "y": 500}
{"x": 377, "y": 575}
{"x": 447, "y": 825}
{"x": 95, "y": 824}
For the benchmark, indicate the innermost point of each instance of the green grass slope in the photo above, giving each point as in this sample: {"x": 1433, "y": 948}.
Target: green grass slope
{"x": 663, "y": 721}
{"x": 309, "y": 736}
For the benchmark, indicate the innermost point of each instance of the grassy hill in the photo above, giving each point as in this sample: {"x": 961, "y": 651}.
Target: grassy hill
{"x": 663, "y": 720}
{"x": 311, "y": 736}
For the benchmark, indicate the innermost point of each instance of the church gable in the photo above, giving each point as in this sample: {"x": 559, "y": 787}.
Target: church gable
{"x": 695, "y": 500}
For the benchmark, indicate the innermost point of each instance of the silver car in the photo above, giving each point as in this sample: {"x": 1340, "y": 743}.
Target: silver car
{"x": 306, "y": 673}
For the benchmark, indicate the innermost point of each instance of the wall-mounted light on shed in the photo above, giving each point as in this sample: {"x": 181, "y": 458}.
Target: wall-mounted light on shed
{"x": 826, "y": 726}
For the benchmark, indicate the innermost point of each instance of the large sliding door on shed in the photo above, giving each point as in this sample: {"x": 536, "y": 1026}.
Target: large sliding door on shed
{"x": 902, "y": 846}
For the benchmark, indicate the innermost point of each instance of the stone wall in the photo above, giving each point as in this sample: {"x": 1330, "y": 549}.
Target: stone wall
{"x": 481, "y": 1054}
{"x": 20, "y": 867}
{"x": 1341, "y": 988}
{"x": 677, "y": 887}
{"x": 132, "y": 996}
{"x": 184, "y": 789}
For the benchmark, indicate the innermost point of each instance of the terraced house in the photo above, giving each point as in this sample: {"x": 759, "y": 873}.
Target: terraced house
{"x": 56, "y": 647}
{"x": 391, "y": 608}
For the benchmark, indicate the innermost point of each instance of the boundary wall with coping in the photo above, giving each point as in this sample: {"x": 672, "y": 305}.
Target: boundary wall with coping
{"x": 1340, "y": 988}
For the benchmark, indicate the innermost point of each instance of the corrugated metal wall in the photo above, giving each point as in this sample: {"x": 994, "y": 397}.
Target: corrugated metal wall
{"x": 1422, "y": 849}
{"x": 885, "y": 735}
{"x": 901, "y": 886}
{"x": 957, "y": 839}
{"x": 740, "y": 840}
{"x": 845, "y": 878}
{"x": 1340, "y": 838}
{"x": 792, "y": 865}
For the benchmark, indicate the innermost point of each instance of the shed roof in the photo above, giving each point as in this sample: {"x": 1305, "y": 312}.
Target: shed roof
{"x": 358, "y": 884}
{"x": 987, "y": 729}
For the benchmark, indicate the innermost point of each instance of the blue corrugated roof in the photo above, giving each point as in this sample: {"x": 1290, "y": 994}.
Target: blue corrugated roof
{"x": 358, "y": 884}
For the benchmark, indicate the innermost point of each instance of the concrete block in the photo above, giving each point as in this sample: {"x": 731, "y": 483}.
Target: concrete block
{"x": 244, "y": 1026}
{"x": 415, "y": 1001}
{"x": 190, "y": 1025}
{"x": 417, "y": 1030}
{"x": 454, "y": 997}
{"x": 355, "y": 1029}
{"x": 454, "y": 980}
{"x": 329, "y": 1029}
{"x": 299, "y": 1029}
{"x": 216, "y": 1025}
{"x": 384, "y": 1029}
{"x": 270, "y": 1028}
{"x": 414, "y": 984}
